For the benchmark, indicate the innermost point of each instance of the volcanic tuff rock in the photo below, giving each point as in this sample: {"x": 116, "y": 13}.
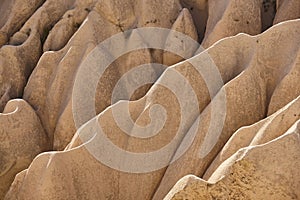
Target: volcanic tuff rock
{"x": 260, "y": 161}
{"x": 245, "y": 119}
{"x": 22, "y": 138}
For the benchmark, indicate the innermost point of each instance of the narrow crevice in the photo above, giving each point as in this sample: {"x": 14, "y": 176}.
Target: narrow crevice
{"x": 268, "y": 11}
{"x": 45, "y": 33}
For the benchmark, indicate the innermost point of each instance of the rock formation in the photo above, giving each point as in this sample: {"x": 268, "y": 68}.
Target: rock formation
{"x": 258, "y": 162}
{"x": 216, "y": 118}
{"x": 22, "y": 138}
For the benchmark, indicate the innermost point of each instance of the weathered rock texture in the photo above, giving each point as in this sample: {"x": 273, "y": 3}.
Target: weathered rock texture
{"x": 22, "y": 138}
{"x": 246, "y": 144}
{"x": 258, "y": 162}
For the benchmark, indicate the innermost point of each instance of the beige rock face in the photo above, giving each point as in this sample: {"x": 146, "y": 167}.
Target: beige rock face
{"x": 22, "y": 138}
{"x": 16, "y": 64}
{"x": 213, "y": 120}
{"x": 13, "y": 14}
{"x": 260, "y": 171}
{"x": 287, "y": 10}
{"x": 255, "y": 84}
{"x": 18, "y": 59}
{"x": 259, "y": 133}
{"x": 62, "y": 65}
{"x": 248, "y": 90}
{"x": 232, "y": 17}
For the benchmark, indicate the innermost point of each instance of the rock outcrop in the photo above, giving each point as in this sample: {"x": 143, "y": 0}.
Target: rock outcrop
{"x": 22, "y": 138}
{"x": 216, "y": 118}
{"x": 266, "y": 169}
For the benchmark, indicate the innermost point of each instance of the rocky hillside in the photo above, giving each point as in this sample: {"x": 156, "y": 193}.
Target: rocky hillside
{"x": 149, "y": 99}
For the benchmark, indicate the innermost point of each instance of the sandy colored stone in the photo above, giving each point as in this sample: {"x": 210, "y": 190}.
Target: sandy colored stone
{"x": 55, "y": 108}
{"x": 18, "y": 59}
{"x": 266, "y": 171}
{"x": 288, "y": 89}
{"x": 16, "y": 64}
{"x": 42, "y": 21}
{"x": 287, "y": 10}
{"x": 14, "y": 14}
{"x": 247, "y": 96}
{"x": 22, "y": 138}
{"x": 256, "y": 93}
{"x": 249, "y": 84}
{"x": 65, "y": 28}
{"x": 55, "y": 32}
{"x": 183, "y": 24}
{"x": 231, "y": 17}
{"x": 199, "y": 12}
{"x": 259, "y": 133}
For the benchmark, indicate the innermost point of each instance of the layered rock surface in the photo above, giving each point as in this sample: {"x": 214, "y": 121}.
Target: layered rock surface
{"x": 232, "y": 105}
